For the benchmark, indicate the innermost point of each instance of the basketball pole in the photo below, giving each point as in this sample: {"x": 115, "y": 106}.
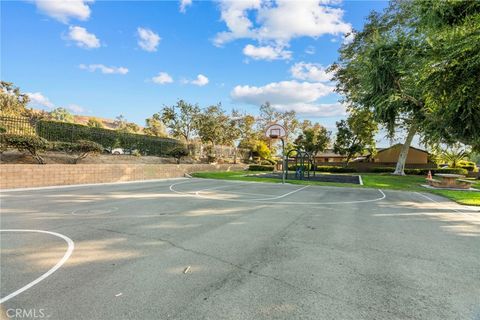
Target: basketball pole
{"x": 283, "y": 161}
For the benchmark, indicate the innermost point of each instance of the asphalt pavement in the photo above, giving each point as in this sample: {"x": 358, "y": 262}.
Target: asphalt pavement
{"x": 211, "y": 249}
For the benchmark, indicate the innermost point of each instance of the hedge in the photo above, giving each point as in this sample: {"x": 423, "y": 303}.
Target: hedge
{"x": 109, "y": 139}
{"x": 335, "y": 169}
{"x": 421, "y": 171}
{"x": 257, "y": 167}
{"x": 306, "y": 166}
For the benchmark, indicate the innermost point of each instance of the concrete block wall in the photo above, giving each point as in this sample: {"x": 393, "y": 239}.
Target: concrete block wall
{"x": 32, "y": 175}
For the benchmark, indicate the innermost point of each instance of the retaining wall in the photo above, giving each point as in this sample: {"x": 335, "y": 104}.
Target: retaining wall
{"x": 33, "y": 175}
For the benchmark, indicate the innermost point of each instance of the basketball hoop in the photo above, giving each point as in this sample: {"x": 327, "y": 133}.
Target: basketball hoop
{"x": 275, "y": 131}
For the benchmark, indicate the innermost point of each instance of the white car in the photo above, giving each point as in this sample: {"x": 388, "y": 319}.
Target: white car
{"x": 118, "y": 151}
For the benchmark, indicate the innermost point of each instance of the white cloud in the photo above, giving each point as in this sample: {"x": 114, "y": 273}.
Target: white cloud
{"x": 315, "y": 110}
{"x": 284, "y": 92}
{"x": 148, "y": 40}
{"x": 104, "y": 69}
{"x": 266, "y": 52}
{"x": 200, "y": 81}
{"x": 310, "y": 72}
{"x": 280, "y": 21}
{"x": 301, "y": 97}
{"x": 184, "y": 4}
{"x": 162, "y": 78}
{"x": 64, "y": 10}
{"x": 75, "y": 108}
{"x": 38, "y": 100}
{"x": 234, "y": 13}
{"x": 82, "y": 37}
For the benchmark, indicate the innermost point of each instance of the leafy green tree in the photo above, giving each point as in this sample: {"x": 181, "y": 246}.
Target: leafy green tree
{"x": 453, "y": 155}
{"x": 216, "y": 127}
{"x": 355, "y": 135}
{"x": 378, "y": 71}
{"x": 95, "y": 123}
{"x": 416, "y": 67}
{"x": 154, "y": 126}
{"x": 62, "y": 115}
{"x": 313, "y": 139}
{"x": 181, "y": 119}
{"x": 245, "y": 124}
{"x": 450, "y": 75}
{"x": 12, "y": 101}
{"x": 269, "y": 115}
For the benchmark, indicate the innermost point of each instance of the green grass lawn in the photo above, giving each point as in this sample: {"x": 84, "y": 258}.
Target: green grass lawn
{"x": 370, "y": 180}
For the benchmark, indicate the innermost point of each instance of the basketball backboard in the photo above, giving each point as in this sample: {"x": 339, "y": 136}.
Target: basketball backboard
{"x": 275, "y": 131}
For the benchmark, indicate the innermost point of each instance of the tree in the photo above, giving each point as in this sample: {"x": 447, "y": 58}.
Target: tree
{"x": 30, "y": 143}
{"x": 453, "y": 155}
{"x": 378, "y": 71}
{"x": 245, "y": 124}
{"x": 416, "y": 66}
{"x": 154, "y": 126}
{"x": 181, "y": 119}
{"x": 355, "y": 135}
{"x": 62, "y": 115}
{"x": 121, "y": 124}
{"x": 313, "y": 139}
{"x": 216, "y": 127}
{"x": 178, "y": 153}
{"x": 451, "y": 73}
{"x": 269, "y": 115}
{"x": 12, "y": 101}
{"x": 79, "y": 149}
{"x": 94, "y": 123}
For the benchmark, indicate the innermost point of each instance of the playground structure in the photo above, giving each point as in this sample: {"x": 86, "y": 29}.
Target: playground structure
{"x": 304, "y": 164}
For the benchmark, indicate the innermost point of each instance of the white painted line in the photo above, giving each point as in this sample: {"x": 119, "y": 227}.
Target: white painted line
{"x": 65, "y": 257}
{"x": 265, "y": 200}
{"x": 270, "y": 197}
{"x": 286, "y": 194}
{"x": 90, "y": 185}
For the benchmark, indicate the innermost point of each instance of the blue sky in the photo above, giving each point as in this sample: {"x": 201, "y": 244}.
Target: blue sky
{"x": 106, "y": 58}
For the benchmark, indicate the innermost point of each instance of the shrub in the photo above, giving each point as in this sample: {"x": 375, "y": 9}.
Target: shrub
{"x": 178, "y": 153}
{"x": 307, "y": 166}
{"x": 382, "y": 170}
{"x": 257, "y": 167}
{"x": 468, "y": 165}
{"x": 30, "y": 143}
{"x": 110, "y": 139}
{"x": 80, "y": 149}
{"x": 423, "y": 171}
{"x": 268, "y": 162}
{"x": 335, "y": 169}
{"x": 451, "y": 170}
{"x": 136, "y": 153}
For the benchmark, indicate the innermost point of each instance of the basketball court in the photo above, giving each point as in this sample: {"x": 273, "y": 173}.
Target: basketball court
{"x": 213, "y": 249}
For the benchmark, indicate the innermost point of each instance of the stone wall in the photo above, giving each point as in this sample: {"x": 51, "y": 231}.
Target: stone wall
{"x": 33, "y": 175}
